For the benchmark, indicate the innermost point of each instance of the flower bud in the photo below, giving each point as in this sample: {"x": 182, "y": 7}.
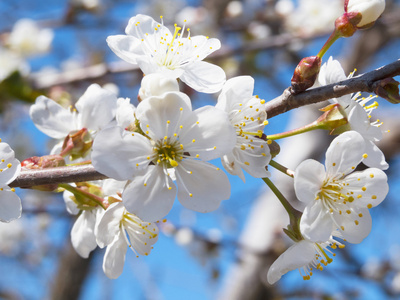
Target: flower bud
{"x": 77, "y": 144}
{"x": 305, "y": 73}
{"x": 156, "y": 84}
{"x": 334, "y": 117}
{"x": 346, "y": 25}
{"x": 370, "y": 10}
{"x": 43, "y": 162}
{"x": 388, "y": 89}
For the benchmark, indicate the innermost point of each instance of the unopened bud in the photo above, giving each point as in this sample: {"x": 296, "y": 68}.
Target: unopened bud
{"x": 305, "y": 73}
{"x": 346, "y": 25}
{"x": 43, "y": 162}
{"x": 388, "y": 89}
{"x": 370, "y": 11}
{"x": 155, "y": 85}
{"x": 333, "y": 118}
{"x": 274, "y": 148}
{"x": 77, "y": 144}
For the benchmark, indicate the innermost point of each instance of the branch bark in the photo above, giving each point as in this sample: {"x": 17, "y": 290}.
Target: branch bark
{"x": 287, "y": 101}
{"x": 363, "y": 83}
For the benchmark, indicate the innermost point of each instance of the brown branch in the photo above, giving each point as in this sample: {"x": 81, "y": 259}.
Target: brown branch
{"x": 363, "y": 83}
{"x": 279, "y": 105}
{"x": 29, "y": 178}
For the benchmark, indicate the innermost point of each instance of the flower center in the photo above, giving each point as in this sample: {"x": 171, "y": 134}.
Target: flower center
{"x": 331, "y": 196}
{"x": 168, "y": 152}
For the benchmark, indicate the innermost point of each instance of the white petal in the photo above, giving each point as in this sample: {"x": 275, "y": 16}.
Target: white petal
{"x": 153, "y": 201}
{"x": 204, "y": 77}
{"x": 308, "y": 180}
{"x": 344, "y": 153}
{"x": 10, "y": 167}
{"x": 252, "y": 161}
{"x": 10, "y": 205}
{"x": 353, "y": 227}
{"x": 299, "y": 255}
{"x": 331, "y": 72}
{"x": 51, "y": 118}
{"x": 163, "y": 115}
{"x": 230, "y": 164}
{"x": 114, "y": 258}
{"x": 213, "y": 133}
{"x": 111, "y": 187}
{"x": 116, "y": 152}
{"x": 108, "y": 224}
{"x": 126, "y": 47}
{"x": 369, "y": 187}
{"x": 359, "y": 121}
{"x": 125, "y": 112}
{"x": 97, "y": 107}
{"x": 157, "y": 84}
{"x": 82, "y": 234}
{"x": 139, "y": 25}
{"x": 70, "y": 204}
{"x": 376, "y": 158}
{"x": 235, "y": 90}
{"x": 207, "y": 184}
{"x": 316, "y": 223}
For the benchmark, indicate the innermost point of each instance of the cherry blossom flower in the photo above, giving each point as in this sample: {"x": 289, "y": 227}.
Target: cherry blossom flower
{"x": 10, "y": 167}
{"x": 370, "y": 10}
{"x": 336, "y": 197}
{"x": 358, "y": 114}
{"x": 152, "y": 47}
{"x": 305, "y": 256}
{"x": 117, "y": 230}
{"x": 83, "y": 238}
{"x": 26, "y": 38}
{"x": 94, "y": 110}
{"x": 176, "y": 143}
{"x": 247, "y": 115}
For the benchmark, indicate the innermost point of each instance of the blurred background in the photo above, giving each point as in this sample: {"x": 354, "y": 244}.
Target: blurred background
{"x": 58, "y": 48}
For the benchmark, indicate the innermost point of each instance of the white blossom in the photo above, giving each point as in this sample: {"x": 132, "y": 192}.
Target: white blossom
{"x": 337, "y": 197}
{"x": 370, "y": 10}
{"x": 83, "y": 238}
{"x": 155, "y": 49}
{"x": 247, "y": 115}
{"x": 157, "y": 84}
{"x": 10, "y": 167}
{"x": 117, "y": 230}
{"x": 305, "y": 256}
{"x": 11, "y": 62}
{"x": 95, "y": 109}
{"x": 26, "y": 38}
{"x": 176, "y": 140}
{"x": 358, "y": 114}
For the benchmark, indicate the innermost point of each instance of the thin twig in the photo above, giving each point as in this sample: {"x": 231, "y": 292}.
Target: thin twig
{"x": 363, "y": 83}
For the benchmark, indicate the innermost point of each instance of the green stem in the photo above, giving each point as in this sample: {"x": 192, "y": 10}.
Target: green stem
{"x": 333, "y": 38}
{"x": 281, "y": 168}
{"x": 294, "y": 215}
{"x": 314, "y": 125}
{"x": 86, "y": 162}
{"x": 76, "y": 191}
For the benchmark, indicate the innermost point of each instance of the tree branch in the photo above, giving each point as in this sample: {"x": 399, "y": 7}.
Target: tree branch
{"x": 287, "y": 101}
{"x": 363, "y": 83}
{"x": 29, "y": 178}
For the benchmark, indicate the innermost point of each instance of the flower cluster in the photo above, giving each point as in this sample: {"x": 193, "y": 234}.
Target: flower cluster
{"x": 164, "y": 149}
{"x": 159, "y": 150}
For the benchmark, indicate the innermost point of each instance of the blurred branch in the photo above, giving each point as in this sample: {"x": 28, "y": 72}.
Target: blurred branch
{"x": 363, "y": 83}
{"x": 45, "y": 81}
